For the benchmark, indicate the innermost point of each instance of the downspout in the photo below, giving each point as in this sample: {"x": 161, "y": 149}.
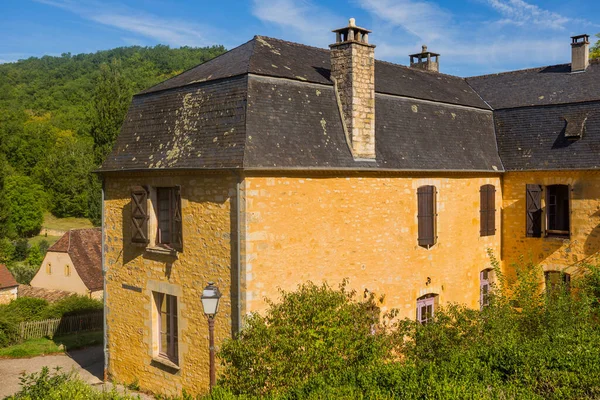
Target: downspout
{"x": 105, "y": 330}
{"x": 239, "y": 250}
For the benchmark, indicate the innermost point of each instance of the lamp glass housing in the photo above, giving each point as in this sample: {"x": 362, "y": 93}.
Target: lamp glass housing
{"x": 210, "y": 299}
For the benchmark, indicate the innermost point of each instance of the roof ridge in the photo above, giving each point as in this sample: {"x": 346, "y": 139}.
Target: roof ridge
{"x": 518, "y": 71}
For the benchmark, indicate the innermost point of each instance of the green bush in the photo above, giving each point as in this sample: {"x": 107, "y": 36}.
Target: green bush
{"x": 9, "y": 331}
{"x": 58, "y": 385}
{"x": 25, "y": 309}
{"x": 23, "y": 272}
{"x": 319, "y": 343}
{"x": 73, "y": 305}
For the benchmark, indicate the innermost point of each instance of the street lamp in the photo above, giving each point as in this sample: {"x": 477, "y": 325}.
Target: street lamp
{"x": 210, "y": 302}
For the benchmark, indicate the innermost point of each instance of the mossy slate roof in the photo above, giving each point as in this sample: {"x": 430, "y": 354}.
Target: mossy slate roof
{"x": 270, "y": 104}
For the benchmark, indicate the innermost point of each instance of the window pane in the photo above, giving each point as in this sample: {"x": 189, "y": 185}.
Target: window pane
{"x": 164, "y": 214}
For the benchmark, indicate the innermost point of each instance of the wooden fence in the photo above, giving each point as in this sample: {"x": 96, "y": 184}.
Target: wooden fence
{"x": 60, "y": 326}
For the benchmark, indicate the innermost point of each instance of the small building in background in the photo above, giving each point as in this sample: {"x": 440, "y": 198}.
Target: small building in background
{"x": 8, "y": 285}
{"x": 73, "y": 264}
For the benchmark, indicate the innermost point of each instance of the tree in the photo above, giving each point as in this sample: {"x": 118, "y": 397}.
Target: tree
{"x": 23, "y": 200}
{"x": 65, "y": 175}
{"x": 595, "y": 50}
{"x": 112, "y": 95}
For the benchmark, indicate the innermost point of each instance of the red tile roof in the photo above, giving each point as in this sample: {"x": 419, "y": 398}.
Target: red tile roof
{"x": 6, "y": 278}
{"x": 84, "y": 248}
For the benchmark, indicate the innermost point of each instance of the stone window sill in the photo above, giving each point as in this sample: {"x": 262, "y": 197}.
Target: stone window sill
{"x": 162, "y": 250}
{"x": 166, "y": 362}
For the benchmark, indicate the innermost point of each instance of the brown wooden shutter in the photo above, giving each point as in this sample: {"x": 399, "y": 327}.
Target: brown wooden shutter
{"x": 176, "y": 220}
{"x": 426, "y": 215}
{"x": 533, "y": 203}
{"x": 487, "y": 213}
{"x": 139, "y": 215}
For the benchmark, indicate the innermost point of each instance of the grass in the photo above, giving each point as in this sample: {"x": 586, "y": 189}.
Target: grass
{"x": 44, "y": 346}
{"x": 64, "y": 224}
{"x": 37, "y": 239}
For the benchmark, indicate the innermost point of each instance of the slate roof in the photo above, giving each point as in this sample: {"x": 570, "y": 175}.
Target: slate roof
{"x": 7, "y": 280}
{"x": 235, "y": 112}
{"x": 533, "y": 138}
{"x": 84, "y": 248}
{"x": 542, "y": 86}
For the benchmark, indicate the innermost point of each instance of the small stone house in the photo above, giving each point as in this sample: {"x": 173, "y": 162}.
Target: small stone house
{"x": 8, "y": 285}
{"x": 277, "y": 163}
{"x": 73, "y": 264}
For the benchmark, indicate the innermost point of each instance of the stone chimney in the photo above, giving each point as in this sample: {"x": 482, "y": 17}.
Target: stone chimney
{"x": 425, "y": 60}
{"x": 353, "y": 73}
{"x": 580, "y": 52}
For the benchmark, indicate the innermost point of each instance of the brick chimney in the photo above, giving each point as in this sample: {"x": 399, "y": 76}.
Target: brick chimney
{"x": 353, "y": 71}
{"x": 425, "y": 60}
{"x": 580, "y": 52}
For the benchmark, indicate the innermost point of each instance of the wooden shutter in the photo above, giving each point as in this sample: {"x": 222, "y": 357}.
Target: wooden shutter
{"x": 487, "y": 213}
{"x": 426, "y": 215}
{"x": 176, "y": 220}
{"x": 139, "y": 215}
{"x": 533, "y": 203}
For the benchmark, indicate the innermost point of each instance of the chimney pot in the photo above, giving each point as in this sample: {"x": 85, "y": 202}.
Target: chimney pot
{"x": 425, "y": 60}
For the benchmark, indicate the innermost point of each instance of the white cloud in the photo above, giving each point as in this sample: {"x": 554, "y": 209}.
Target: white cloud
{"x": 520, "y": 13}
{"x": 300, "y": 19}
{"x": 174, "y": 32}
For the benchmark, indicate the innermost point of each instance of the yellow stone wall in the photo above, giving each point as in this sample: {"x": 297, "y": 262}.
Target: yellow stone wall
{"x": 551, "y": 252}
{"x": 207, "y": 255}
{"x": 364, "y": 228}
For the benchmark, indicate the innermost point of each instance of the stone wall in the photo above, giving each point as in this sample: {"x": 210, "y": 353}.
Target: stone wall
{"x": 8, "y": 295}
{"x": 553, "y": 253}
{"x": 134, "y": 272}
{"x": 364, "y": 228}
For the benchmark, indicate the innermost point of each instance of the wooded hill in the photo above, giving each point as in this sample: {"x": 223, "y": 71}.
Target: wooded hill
{"x": 59, "y": 117}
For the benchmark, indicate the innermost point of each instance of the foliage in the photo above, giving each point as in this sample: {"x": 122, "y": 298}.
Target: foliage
{"x": 25, "y": 309}
{"x": 58, "y": 385}
{"x": 23, "y": 272}
{"x": 24, "y": 201}
{"x": 313, "y": 332}
{"x": 595, "y": 50}
{"x": 9, "y": 332}
{"x": 548, "y": 347}
{"x": 73, "y": 305}
{"x": 35, "y": 257}
{"x": 7, "y": 250}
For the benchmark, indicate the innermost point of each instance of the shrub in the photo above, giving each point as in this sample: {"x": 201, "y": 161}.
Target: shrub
{"x": 58, "y": 385}
{"x": 25, "y": 309}
{"x": 73, "y": 305}
{"x": 23, "y": 272}
{"x": 9, "y": 332}
{"x": 314, "y": 331}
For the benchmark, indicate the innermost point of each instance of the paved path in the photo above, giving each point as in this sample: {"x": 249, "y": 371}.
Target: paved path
{"x": 88, "y": 363}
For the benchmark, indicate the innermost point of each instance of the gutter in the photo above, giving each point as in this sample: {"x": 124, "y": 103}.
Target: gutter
{"x": 105, "y": 329}
{"x": 238, "y": 240}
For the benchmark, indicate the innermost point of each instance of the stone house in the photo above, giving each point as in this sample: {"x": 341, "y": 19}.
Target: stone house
{"x": 277, "y": 163}
{"x": 8, "y": 286}
{"x": 73, "y": 264}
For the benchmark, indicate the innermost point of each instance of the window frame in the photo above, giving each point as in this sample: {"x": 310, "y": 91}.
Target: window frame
{"x": 171, "y": 331}
{"x": 428, "y": 300}
{"x": 67, "y": 270}
{"x": 552, "y": 288}
{"x": 558, "y": 232}
{"x": 49, "y": 269}
{"x": 486, "y": 280}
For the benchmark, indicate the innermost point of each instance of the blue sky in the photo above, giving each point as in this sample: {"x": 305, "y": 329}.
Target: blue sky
{"x": 473, "y": 36}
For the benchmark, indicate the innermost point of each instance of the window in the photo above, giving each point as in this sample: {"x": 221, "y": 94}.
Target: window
{"x": 49, "y": 269}
{"x": 67, "y": 270}
{"x": 557, "y": 281}
{"x": 426, "y": 197}
{"x": 426, "y": 307}
{"x": 486, "y": 279}
{"x": 166, "y": 306}
{"x": 167, "y": 210}
{"x": 487, "y": 210}
{"x": 557, "y": 210}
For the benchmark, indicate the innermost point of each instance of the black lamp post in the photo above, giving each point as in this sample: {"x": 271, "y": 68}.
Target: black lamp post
{"x": 210, "y": 302}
